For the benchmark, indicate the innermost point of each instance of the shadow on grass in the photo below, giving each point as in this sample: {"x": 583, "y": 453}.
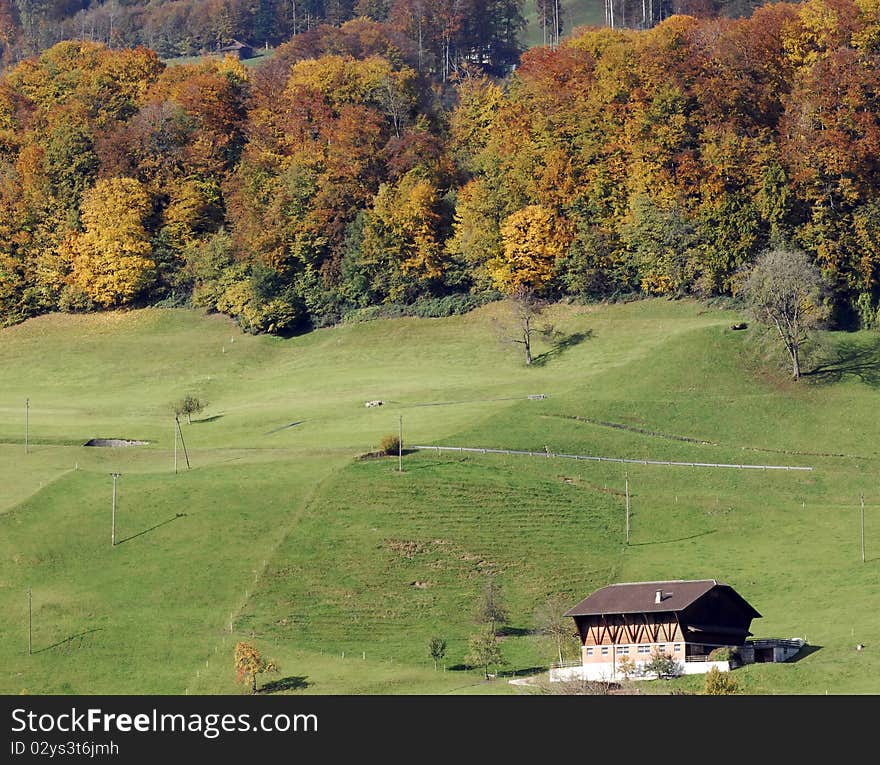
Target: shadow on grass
{"x": 806, "y": 651}
{"x": 292, "y": 683}
{"x": 513, "y": 632}
{"x": 670, "y": 541}
{"x": 69, "y": 640}
{"x": 152, "y": 528}
{"x": 847, "y": 359}
{"x": 566, "y": 342}
{"x": 521, "y": 672}
{"x": 214, "y": 418}
{"x": 285, "y": 427}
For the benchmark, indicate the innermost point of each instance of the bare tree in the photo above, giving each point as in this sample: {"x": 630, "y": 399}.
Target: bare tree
{"x": 550, "y": 620}
{"x": 436, "y": 649}
{"x": 490, "y": 608}
{"x": 784, "y": 290}
{"x": 526, "y": 311}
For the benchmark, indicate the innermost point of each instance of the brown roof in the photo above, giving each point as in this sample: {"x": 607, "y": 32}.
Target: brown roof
{"x": 640, "y": 597}
{"x": 234, "y": 45}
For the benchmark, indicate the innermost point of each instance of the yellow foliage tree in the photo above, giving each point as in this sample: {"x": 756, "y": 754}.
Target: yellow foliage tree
{"x": 476, "y": 237}
{"x": 409, "y": 211}
{"x": 111, "y": 259}
{"x": 533, "y": 238}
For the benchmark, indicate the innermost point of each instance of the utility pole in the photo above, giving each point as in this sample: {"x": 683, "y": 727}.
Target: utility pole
{"x": 27, "y": 424}
{"x": 175, "y": 445}
{"x": 862, "y": 497}
{"x": 182, "y": 442}
{"x": 113, "y": 517}
{"x": 400, "y": 443}
{"x": 626, "y": 477}
{"x": 30, "y": 622}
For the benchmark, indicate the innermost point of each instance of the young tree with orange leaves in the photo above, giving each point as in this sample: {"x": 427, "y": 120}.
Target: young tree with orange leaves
{"x": 249, "y": 663}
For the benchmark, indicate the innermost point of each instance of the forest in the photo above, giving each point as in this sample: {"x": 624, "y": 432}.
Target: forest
{"x": 345, "y": 177}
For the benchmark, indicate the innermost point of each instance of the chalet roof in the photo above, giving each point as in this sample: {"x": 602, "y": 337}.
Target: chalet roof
{"x": 235, "y": 45}
{"x": 641, "y": 597}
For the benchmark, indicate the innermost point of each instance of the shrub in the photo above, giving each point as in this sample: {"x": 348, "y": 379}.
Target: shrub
{"x": 727, "y": 653}
{"x": 662, "y": 665}
{"x": 389, "y": 444}
{"x": 719, "y": 683}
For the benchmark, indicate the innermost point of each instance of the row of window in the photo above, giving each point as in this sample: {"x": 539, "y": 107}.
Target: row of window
{"x": 623, "y": 650}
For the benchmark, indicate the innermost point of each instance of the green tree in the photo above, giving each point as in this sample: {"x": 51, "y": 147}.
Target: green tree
{"x": 436, "y": 649}
{"x": 189, "y": 405}
{"x": 662, "y": 665}
{"x": 484, "y": 651}
{"x": 784, "y": 290}
{"x": 249, "y": 663}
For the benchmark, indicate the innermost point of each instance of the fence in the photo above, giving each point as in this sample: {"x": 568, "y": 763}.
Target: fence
{"x": 479, "y": 450}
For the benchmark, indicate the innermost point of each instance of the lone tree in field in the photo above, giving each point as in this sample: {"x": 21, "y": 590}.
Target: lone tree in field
{"x": 436, "y": 649}
{"x": 484, "y": 651}
{"x": 249, "y": 663}
{"x": 784, "y": 291}
{"x": 550, "y": 621}
{"x": 188, "y": 405}
{"x": 526, "y": 309}
{"x": 491, "y": 610}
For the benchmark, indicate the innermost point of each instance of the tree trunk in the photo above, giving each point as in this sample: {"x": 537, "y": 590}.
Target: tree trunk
{"x": 795, "y": 363}
{"x": 254, "y": 683}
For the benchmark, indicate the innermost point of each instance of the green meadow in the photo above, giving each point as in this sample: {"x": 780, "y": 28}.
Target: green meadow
{"x": 341, "y": 568}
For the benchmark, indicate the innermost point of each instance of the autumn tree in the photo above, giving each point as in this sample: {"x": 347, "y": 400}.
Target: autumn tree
{"x": 533, "y": 238}
{"x": 719, "y": 683}
{"x": 249, "y": 663}
{"x": 112, "y": 259}
{"x": 784, "y": 291}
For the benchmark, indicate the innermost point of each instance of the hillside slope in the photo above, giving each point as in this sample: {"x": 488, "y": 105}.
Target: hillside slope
{"x": 342, "y": 569}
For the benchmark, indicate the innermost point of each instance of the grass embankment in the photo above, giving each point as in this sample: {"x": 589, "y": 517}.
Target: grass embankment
{"x": 282, "y": 533}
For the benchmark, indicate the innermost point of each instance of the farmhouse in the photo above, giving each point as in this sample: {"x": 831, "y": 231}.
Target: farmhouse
{"x": 238, "y": 49}
{"x": 685, "y": 620}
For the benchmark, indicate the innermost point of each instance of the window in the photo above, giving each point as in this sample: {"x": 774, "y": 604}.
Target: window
{"x": 644, "y": 649}
{"x": 677, "y": 647}
{"x": 589, "y": 651}
{"x": 623, "y": 649}
{"x": 661, "y": 647}
{"x": 604, "y": 650}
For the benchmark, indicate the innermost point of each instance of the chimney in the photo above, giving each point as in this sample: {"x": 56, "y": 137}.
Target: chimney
{"x": 658, "y": 598}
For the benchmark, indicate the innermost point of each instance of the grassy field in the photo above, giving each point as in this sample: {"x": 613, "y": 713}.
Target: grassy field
{"x": 576, "y": 13}
{"x": 342, "y": 568}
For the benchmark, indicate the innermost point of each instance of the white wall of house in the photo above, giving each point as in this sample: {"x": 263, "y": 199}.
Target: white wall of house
{"x": 604, "y": 672}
